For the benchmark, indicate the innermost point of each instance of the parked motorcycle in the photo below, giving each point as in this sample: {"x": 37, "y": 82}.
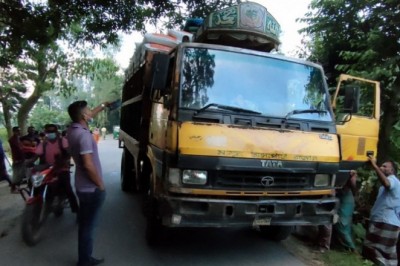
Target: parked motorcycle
{"x": 42, "y": 196}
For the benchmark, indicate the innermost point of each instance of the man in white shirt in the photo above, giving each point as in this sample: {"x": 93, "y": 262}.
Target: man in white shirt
{"x": 380, "y": 243}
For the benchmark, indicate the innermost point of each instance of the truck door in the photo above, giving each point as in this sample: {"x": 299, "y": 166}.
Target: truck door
{"x": 356, "y": 104}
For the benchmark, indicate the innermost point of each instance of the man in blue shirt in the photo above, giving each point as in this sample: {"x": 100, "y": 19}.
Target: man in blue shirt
{"x": 88, "y": 177}
{"x": 380, "y": 243}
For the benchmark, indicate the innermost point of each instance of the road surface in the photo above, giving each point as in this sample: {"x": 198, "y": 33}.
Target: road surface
{"x": 120, "y": 236}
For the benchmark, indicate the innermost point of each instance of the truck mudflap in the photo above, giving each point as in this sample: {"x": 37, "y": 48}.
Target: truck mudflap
{"x": 195, "y": 212}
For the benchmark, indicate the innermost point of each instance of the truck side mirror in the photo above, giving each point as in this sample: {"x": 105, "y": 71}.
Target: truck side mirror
{"x": 159, "y": 72}
{"x": 351, "y": 99}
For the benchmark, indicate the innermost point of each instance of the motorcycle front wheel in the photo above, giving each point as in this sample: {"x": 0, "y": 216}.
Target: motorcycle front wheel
{"x": 58, "y": 206}
{"x": 33, "y": 220}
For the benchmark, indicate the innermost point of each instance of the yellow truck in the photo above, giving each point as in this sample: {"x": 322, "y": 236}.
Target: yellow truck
{"x": 218, "y": 129}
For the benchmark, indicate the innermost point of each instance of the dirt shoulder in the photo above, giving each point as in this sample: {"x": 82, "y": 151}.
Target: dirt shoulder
{"x": 11, "y": 207}
{"x": 303, "y": 250}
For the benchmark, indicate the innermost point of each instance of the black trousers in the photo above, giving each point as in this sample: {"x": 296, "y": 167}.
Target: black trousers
{"x": 64, "y": 184}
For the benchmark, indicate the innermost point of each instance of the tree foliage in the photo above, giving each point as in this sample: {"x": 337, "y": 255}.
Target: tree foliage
{"x": 102, "y": 82}
{"x": 361, "y": 38}
{"x": 31, "y": 33}
{"x": 12, "y": 90}
{"x": 95, "y": 22}
{"x": 40, "y": 68}
{"x": 107, "y": 89}
{"x": 44, "y": 113}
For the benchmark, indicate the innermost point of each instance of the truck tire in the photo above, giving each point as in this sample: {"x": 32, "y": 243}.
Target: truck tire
{"x": 154, "y": 227}
{"x": 143, "y": 183}
{"x": 276, "y": 232}
{"x": 128, "y": 174}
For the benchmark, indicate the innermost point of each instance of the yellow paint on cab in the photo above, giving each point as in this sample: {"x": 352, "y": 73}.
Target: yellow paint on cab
{"x": 205, "y": 139}
{"x": 357, "y": 137}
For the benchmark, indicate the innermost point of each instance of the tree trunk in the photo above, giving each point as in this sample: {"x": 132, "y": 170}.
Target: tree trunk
{"x": 26, "y": 107}
{"x": 7, "y": 118}
{"x": 42, "y": 74}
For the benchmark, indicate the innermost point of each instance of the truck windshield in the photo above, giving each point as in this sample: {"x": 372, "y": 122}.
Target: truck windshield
{"x": 269, "y": 86}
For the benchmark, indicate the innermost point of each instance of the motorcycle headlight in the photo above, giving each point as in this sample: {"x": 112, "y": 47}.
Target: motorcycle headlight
{"x": 194, "y": 177}
{"x": 321, "y": 180}
{"x": 37, "y": 179}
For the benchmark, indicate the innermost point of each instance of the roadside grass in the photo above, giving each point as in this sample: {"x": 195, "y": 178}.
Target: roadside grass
{"x": 342, "y": 258}
{"x": 339, "y": 256}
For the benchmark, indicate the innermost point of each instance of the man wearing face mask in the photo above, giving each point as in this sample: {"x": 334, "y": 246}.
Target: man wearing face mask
{"x": 89, "y": 182}
{"x": 53, "y": 150}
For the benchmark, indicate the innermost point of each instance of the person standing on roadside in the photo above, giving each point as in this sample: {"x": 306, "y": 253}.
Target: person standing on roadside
{"x": 383, "y": 230}
{"x": 324, "y": 237}
{"x": 88, "y": 177}
{"x": 3, "y": 169}
{"x": 32, "y": 135}
{"x": 342, "y": 229}
{"x": 17, "y": 156}
{"x": 104, "y": 132}
{"x": 96, "y": 134}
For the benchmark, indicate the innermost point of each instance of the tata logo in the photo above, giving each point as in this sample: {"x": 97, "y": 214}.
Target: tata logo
{"x": 271, "y": 164}
{"x": 267, "y": 181}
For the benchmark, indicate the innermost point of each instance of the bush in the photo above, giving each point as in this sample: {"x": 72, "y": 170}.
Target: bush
{"x": 3, "y": 134}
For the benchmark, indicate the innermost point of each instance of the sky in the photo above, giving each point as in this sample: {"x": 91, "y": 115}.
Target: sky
{"x": 285, "y": 12}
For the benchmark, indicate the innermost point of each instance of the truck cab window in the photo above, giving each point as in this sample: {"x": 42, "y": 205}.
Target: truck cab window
{"x": 158, "y": 95}
{"x": 364, "y": 100}
{"x": 270, "y": 86}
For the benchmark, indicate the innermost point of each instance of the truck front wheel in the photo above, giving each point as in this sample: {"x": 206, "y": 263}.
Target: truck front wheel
{"x": 276, "y": 232}
{"x": 128, "y": 173}
{"x": 154, "y": 227}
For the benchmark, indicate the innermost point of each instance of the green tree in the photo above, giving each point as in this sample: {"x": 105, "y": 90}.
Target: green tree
{"x": 107, "y": 84}
{"x": 31, "y": 31}
{"x": 361, "y": 38}
{"x": 42, "y": 115}
{"x": 43, "y": 67}
{"x": 12, "y": 90}
{"x": 95, "y": 22}
{"x": 99, "y": 83}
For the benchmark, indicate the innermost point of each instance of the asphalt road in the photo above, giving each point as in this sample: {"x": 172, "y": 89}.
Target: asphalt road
{"x": 120, "y": 236}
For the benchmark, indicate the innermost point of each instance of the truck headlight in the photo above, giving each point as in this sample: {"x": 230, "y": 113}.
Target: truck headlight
{"x": 321, "y": 180}
{"x": 194, "y": 177}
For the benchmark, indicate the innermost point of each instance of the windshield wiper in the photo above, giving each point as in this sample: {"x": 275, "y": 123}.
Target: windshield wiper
{"x": 305, "y": 111}
{"x": 227, "y": 107}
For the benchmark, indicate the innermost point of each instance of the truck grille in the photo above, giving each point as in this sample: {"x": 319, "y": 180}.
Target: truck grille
{"x": 271, "y": 181}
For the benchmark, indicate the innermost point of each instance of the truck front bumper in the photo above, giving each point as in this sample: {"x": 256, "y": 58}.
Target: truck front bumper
{"x": 199, "y": 212}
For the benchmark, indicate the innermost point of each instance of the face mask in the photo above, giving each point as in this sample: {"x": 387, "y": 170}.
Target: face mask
{"x": 51, "y": 136}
